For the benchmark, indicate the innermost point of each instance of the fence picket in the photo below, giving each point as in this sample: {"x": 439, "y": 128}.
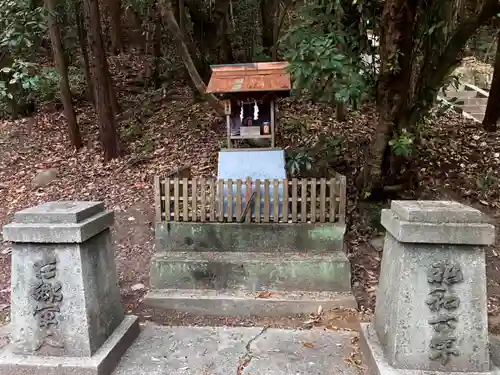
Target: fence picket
{"x": 296, "y": 200}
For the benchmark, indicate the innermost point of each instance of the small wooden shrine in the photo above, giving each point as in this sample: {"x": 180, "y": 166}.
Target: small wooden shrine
{"x": 249, "y": 92}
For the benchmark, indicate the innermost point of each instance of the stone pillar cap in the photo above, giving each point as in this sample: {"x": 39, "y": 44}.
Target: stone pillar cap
{"x": 437, "y": 222}
{"x": 59, "y": 222}
{"x": 437, "y": 212}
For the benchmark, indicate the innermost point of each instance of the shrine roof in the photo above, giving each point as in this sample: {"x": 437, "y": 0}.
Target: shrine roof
{"x": 235, "y": 78}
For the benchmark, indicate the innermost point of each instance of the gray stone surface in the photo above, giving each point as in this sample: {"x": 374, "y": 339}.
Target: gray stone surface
{"x": 376, "y": 362}
{"x": 90, "y": 308}
{"x": 440, "y": 292}
{"x": 223, "y": 351}
{"x": 245, "y": 303}
{"x": 103, "y": 362}
{"x": 264, "y": 271}
{"x": 273, "y": 238}
{"x": 437, "y": 212}
{"x": 445, "y": 233}
{"x": 59, "y": 222}
{"x": 402, "y": 315}
{"x": 59, "y": 212}
{"x": 66, "y": 312}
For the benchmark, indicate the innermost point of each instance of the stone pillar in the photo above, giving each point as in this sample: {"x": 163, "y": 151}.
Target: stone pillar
{"x": 431, "y": 299}
{"x": 66, "y": 312}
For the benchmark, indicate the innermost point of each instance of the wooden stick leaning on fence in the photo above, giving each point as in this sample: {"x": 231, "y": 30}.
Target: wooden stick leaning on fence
{"x": 248, "y": 206}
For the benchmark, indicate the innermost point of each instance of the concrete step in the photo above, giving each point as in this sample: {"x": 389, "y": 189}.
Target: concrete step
{"x": 251, "y": 271}
{"x": 478, "y": 116}
{"x": 473, "y": 108}
{"x": 460, "y": 94}
{"x": 476, "y": 102}
{"x": 245, "y": 303}
{"x": 253, "y": 237}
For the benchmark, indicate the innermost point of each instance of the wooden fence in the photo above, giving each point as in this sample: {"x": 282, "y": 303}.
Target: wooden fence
{"x": 286, "y": 201}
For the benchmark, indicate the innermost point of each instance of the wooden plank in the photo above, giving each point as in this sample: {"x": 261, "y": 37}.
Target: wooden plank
{"x": 322, "y": 200}
{"x": 203, "y": 202}
{"x": 343, "y": 198}
{"x": 285, "y": 201}
{"x": 212, "y": 197}
{"x": 273, "y": 125}
{"x": 258, "y": 200}
{"x": 157, "y": 190}
{"x": 303, "y": 200}
{"x": 248, "y": 216}
{"x": 229, "y": 200}
{"x": 276, "y": 202}
{"x": 185, "y": 200}
{"x": 239, "y": 197}
{"x": 228, "y": 125}
{"x": 295, "y": 200}
{"x": 168, "y": 200}
{"x": 194, "y": 199}
{"x": 267, "y": 194}
{"x": 176, "y": 199}
{"x": 313, "y": 200}
{"x": 220, "y": 201}
{"x": 332, "y": 200}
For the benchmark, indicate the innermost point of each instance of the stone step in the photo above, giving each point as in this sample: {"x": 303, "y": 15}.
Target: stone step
{"x": 476, "y": 101}
{"x": 251, "y": 271}
{"x": 450, "y": 94}
{"x": 253, "y": 237}
{"x": 246, "y": 303}
{"x": 478, "y": 116}
{"x": 473, "y": 108}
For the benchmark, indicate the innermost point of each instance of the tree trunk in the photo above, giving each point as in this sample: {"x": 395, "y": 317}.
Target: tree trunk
{"x": 115, "y": 15}
{"x": 181, "y": 42}
{"x": 493, "y": 107}
{"x": 396, "y": 46}
{"x": 62, "y": 67}
{"x": 157, "y": 48}
{"x": 101, "y": 79}
{"x": 212, "y": 32}
{"x": 82, "y": 40}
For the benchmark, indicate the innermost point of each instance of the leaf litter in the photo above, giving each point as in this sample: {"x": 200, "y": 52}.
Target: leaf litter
{"x": 165, "y": 132}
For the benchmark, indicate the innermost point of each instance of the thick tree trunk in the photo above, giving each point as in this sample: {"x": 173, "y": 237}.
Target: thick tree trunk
{"x": 115, "y": 15}
{"x": 396, "y": 48}
{"x": 82, "y": 40}
{"x": 181, "y": 42}
{"x": 493, "y": 107}
{"x": 101, "y": 79}
{"x": 62, "y": 67}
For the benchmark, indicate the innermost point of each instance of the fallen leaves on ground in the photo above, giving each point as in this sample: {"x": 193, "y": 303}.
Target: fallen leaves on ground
{"x": 162, "y": 133}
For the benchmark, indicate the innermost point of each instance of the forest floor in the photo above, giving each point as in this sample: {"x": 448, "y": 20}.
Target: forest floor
{"x": 162, "y": 133}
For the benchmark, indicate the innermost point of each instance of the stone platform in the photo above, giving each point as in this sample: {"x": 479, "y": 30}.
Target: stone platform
{"x": 163, "y": 350}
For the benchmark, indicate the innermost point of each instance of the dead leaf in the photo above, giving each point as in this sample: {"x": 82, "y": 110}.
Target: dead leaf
{"x": 308, "y": 345}
{"x": 264, "y": 294}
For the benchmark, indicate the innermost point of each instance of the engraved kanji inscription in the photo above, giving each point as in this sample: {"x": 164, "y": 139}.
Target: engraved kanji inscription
{"x": 443, "y": 322}
{"x": 438, "y": 299}
{"x": 449, "y": 274}
{"x": 44, "y": 291}
{"x": 47, "y": 293}
{"x": 442, "y": 276}
{"x": 442, "y": 348}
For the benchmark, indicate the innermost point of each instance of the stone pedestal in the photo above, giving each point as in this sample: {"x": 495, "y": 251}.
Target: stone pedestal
{"x": 66, "y": 312}
{"x": 431, "y": 300}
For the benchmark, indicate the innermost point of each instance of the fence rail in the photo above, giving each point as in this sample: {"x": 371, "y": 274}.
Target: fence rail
{"x": 286, "y": 201}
